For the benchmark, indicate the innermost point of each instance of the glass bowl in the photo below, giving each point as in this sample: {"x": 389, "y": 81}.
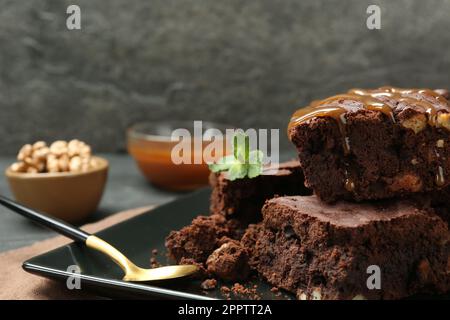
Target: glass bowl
{"x": 174, "y": 155}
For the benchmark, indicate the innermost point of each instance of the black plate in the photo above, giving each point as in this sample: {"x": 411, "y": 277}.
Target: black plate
{"x": 136, "y": 238}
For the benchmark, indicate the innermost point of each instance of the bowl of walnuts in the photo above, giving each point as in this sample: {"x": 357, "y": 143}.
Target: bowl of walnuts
{"x": 62, "y": 179}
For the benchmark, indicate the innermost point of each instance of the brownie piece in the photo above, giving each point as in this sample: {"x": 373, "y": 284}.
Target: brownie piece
{"x": 199, "y": 239}
{"x": 229, "y": 262}
{"x": 374, "y": 144}
{"x": 209, "y": 284}
{"x": 439, "y": 201}
{"x": 320, "y": 251}
{"x": 243, "y": 199}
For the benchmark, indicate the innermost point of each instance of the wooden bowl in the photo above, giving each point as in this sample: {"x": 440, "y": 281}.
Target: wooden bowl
{"x": 70, "y": 196}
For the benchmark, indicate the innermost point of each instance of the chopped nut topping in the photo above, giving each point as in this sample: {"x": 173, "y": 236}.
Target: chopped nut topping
{"x": 316, "y": 295}
{"x": 303, "y": 296}
{"x": 416, "y": 123}
{"x": 443, "y": 120}
{"x": 440, "y": 143}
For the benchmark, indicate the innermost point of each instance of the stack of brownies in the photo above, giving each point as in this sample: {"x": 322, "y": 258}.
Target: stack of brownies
{"x": 378, "y": 164}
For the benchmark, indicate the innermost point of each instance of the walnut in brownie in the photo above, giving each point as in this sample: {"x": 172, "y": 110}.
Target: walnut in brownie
{"x": 320, "y": 251}
{"x": 374, "y": 144}
{"x": 243, "y": 199}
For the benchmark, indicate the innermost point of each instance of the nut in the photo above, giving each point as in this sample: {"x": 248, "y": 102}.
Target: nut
{"x": 52, "y": 163}
{"x": 78, "y": 148}
{"x": 19, "y": 167}
{"x": 75, "y": 164}
{"x": 58, "y": 148}
{"x": 25, "y": 152}
{"x": 440, "y": 143}
{"x": 302, "y": 296}
{"x": 316, "y": 295}
{"x": 359, "y": 297}
{"x": 32, "y": 170}
{"x": 63, "y": 162}
{"x": 41, "y": 153}
{"x": 443, "y": 120}
{"x": 416, "y": 123}
{"x": 32, "y": 156}
{"x": 39, "y": 145}
{"x": 61, "y": 156}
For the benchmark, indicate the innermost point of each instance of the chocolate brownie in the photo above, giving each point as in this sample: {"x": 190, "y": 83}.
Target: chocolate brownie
{"x": 243, "y": 199}
{"x": 374, "y": 144}
{"x": 320, "y": 251}
{"x": 229, "y": 262}
{"x": 439, "y": 201}
{"x": 199, "y": 239}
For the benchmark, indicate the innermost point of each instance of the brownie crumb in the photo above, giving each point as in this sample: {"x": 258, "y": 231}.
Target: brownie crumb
{"x": 199, "y": 239}
{"x": 154, "y": 263}
{"x": 225, "y": 289}
{"x": 202, "y": 272}
{"x": 226, "y": 292}
{"x": 240, "y": 290}
{"x": 229, "y": 262}
{"x": 209, "y": 284}
{"x": 155, "y": 252}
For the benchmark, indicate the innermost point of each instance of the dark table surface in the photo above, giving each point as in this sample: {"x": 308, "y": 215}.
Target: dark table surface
{"x": 126, "y": 189}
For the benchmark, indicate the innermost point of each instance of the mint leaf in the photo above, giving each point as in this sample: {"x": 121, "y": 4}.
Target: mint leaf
{"x": 254, "y": 170}
{"x": 223, "y": 164}
{"x": 243, "y": 162}
{"x": 237, "y": 171}
{"x": 256, "y": 157}
{"x": 241, "y": 145}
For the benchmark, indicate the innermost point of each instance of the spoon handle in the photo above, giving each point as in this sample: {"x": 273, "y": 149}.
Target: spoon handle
{"x": 55, "y": 224}
{"x": 69, "y": 231}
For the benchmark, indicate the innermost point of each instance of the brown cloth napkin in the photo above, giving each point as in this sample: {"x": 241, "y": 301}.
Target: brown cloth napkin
{"x": 17, "y": 284}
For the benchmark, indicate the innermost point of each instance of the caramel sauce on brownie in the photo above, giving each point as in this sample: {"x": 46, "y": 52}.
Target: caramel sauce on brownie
{"x": 386, "y": 100}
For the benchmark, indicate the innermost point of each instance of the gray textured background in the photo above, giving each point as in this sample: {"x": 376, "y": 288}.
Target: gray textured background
{"x": 248, "y": 63}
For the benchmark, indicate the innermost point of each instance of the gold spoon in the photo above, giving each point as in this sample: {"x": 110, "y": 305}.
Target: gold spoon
{"x": 132, "y": 271}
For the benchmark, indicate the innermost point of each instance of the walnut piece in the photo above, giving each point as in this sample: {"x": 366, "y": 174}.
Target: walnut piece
{"x": 416, "y": 123}
{"x": 443, "y": 120}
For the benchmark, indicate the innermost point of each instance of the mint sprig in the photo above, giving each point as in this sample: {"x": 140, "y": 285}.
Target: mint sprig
{"x": 243, "y": 162}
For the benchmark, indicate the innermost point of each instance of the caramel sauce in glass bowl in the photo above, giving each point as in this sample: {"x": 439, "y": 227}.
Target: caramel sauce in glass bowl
{"x": 151, "y": 145}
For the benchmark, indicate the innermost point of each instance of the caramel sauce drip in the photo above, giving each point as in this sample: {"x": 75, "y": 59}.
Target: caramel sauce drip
{"x": 384, "y": 100}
